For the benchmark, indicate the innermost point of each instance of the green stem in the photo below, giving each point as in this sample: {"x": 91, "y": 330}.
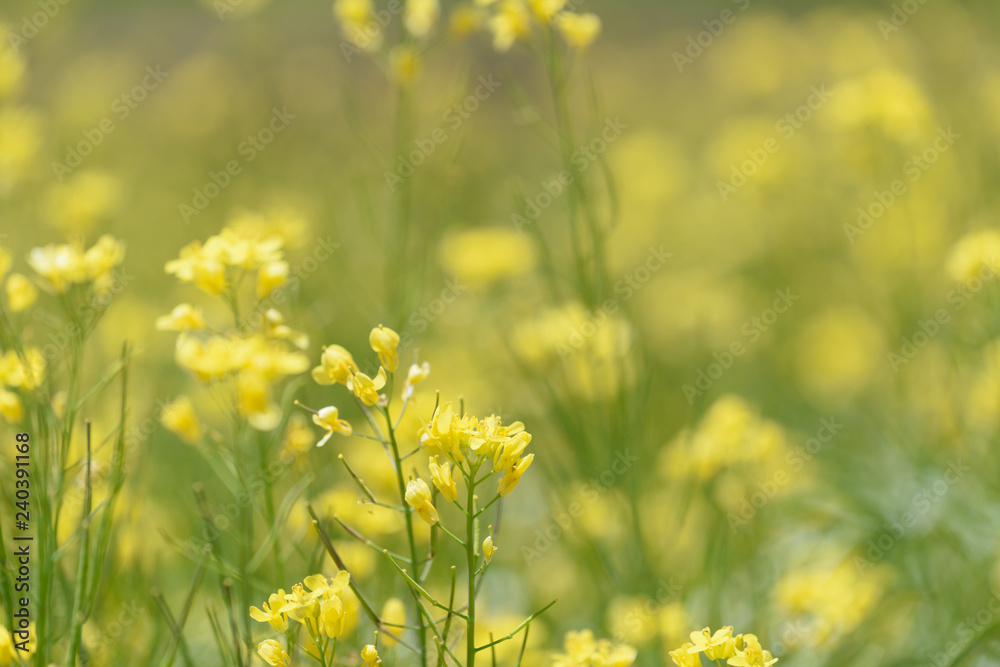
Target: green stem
{"x": 470, "y": 561}
{"x": 408, "y": 514}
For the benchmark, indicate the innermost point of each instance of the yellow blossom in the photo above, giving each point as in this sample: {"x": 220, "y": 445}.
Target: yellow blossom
{"x": 270, "y": 277}
{"x": 369, "y": 656}
{"x": 336, "y": 366}
{"x": 447, "y": 433}
{"x": 271, "y": 653}
{"x": 384, "y": 342}
{"x": 420, "y": 15}
{"x": 357, "y": 25}
{"x": 417, "y": 374}
{"x": 11, "y": 408}
{"x": 103, "y": 256}
{"x": 683, "y": 657}
{"x": 513, "y": 475}
{"x": 366, "y": 388}
{"x": 752, "y": 654}
{"x": 465, "y": 20}
{"x": 184, "y": 317}
{"x": 26, "y": 373}
{"x": 21, "y": 292}
{"x": 418, "y": 496}
{"x": 255, "y": 400}
{"x": 544, "y": 10}
{"x": 580, "y": 649}
{"x": 441, "y": 476}
{"x": 60, "y": 265}
{"x": 329, "y": 419}
{"x": 180, "y": 418}
{"x": 976, "y": 256}
{"x": 717, "y": 646}
{"x": 488, "y": 548}
{"x": 509, "y": 24}
{"x": 331, "y": 617}
{"x": 270, "y": 612}
{"x": 579, "y": 30}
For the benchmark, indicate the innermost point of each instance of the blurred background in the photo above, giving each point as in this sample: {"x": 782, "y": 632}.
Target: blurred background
{"x": 772, "y": 408}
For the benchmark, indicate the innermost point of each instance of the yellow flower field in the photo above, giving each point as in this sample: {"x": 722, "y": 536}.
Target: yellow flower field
{"x": 555, "y": 333}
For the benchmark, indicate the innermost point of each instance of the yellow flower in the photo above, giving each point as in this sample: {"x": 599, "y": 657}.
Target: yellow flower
{"x": 718, "y": 646}
{"x": 10, "y": 407}
{"x": 271, "y": 653}
{"x": 510, "y": 23}
{"x": 384, "y": 342}
{"x": 369, "y": 656}
{"x": 682, "y": 657}
{"x": 329, "y": 419}
{"x": 270, "y": 277}
{"x": 331, "y": 617}
{"x": 356, "y": 23}
{"x": 544, "y": 10}
{"x": 482, "y": 256}
{"x": 447, "y": 433}
{"x": 441, "y": 476}
{"x": 420, "y": 16}
{"x": 255, "y": 400}
{"x": 579, "y": 30}
{"x": 300, "y": 604}
{"x": 416, "y": 375}
{"x": 336, "y": 366}
{"x": 60, "y": 265}
{"x": 21, "y": 292}
{"x": 275, "y": 327}
{"x": 8, "y": 654}
{"x": 180, "y": 419}
{"x": 513, "y": 475}
{"x": 976, "y": 256}
{"x": 752, "y": 654}
{"x": 26, "y": 374}
{"x": 201, "y": 265}
{"x": 490, "y": 434}
{"x": 488, "y": 548}
{"x": 418, "y": 496}
{"x": 367, "y": 388}
{"x": 184, "y": 317}
{"x": 103, "y": 256}
{"x": 271, "y": 612}
{"x": 508, "y": 454}
{"x": 582, "y": 650}
{"x": 393, "y": 613}
{"x": 465, "y": 20}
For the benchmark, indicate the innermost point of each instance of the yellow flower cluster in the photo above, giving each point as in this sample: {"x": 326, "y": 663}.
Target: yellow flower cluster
{"x": 739, "y": 650}
{"x": 260, "y": 352}
{"x": 455, "y": 437}
{"x": 510, "y": 21}
{"x": 580, "y": 649}
{"x": 64, "y": 265}
{"x": 224, "y": 259}
{"x": 317, "y": 603}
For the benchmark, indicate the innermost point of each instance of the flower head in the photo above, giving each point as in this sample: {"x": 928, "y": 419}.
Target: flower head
{"x": 366, "y": 388}
{"x": 418, "y": 496}
{"x": 336, "y": 366}
{"x": 21, "y": 292}
{"x": 417, "y": 374}
{"x": 384, "y": 342}
{"x": 441, "y": 476}
{"x": 271, "y": 612}
{"x": 579, "y": 30}
{"x": 369, "y": 656}
{"x": 271, "y": 653}
{"x": 184, "y": 317}
{"x": 329, "y": 419}
{"x": 179, "y": 418}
